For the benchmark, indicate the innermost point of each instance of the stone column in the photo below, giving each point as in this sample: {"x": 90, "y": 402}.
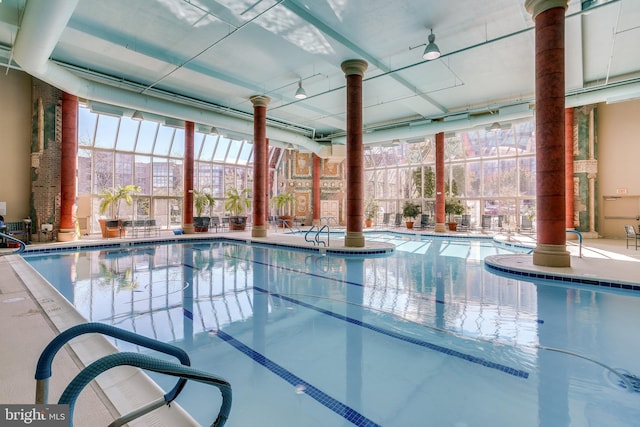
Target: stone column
{"x": 68, "y": 167}
{"x": 354, "y": 71}
{"x": 316, "y": 190}
{"x": 260, "y": 165}
{"x": 568, "y": 165}
{"x": 187, "y": 204}
{"x": 440, "y": 196}
{"x": 549, "y": 16}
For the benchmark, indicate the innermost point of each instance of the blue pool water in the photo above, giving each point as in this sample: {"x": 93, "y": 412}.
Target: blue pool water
{"x": 422, "y": 337}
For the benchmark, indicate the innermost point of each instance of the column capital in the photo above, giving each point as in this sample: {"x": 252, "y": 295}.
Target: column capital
{"x": 260, "y": 100}
{"x": 354, "y": 66}
{"x": 535, "y": 7}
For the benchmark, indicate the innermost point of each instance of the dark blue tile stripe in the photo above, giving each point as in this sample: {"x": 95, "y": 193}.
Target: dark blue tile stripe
{"x": 336, "y": 406}
{"x": 449, "y": 352}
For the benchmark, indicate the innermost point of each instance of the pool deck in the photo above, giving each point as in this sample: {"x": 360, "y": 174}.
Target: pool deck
{"x": 32, "y": 314}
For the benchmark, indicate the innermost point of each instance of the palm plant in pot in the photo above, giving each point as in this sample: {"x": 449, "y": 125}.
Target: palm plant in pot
{"x": 284, "y": 203}
{"x": 236, "y": 203}
{"x": 410, "y": 211}
{"x": 202, "y": 200}
{"x": 112, "y": 198}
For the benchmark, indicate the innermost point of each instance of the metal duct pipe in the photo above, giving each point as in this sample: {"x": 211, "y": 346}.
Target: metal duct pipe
{"x": 42, "y": 26}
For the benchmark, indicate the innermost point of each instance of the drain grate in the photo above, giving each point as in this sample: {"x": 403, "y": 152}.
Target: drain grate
{"x": 632, "y": 380}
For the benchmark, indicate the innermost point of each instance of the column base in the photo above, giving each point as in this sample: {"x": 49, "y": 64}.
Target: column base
{"x": 315, "y": 222}
{"x": 259, "y": 231}
{"x": 354, "y": 239}
{"x": 440, "y": 227}
{"x": 67, "y": 235}
{"x": 188, "y": 229}
{"x": 551, "y": 256}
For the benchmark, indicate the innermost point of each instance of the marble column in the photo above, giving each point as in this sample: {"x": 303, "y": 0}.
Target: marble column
{"x": 549, "y": 16}
{"x": 187, "y": 207}
{"x": 440, "y": 196}
{"x": 316, "y": 190}
{"x": 354, "y": 72}
{"x": 569, "y": 180}
{"x": 68, "y": 167}
{"x": 260, "y": 166}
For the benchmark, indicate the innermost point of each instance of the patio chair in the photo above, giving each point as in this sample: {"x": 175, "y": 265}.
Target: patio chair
{"x": 486, "y": 221}
{"x": 631, "y": 234}
{"x": 465, "y": 222}
{"x": 398, "y": 221}
{"x": 424, "y": 221}
{"x": 386, "y": 217}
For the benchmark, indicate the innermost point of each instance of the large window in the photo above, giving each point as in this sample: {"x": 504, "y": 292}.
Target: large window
{"x": 121, "y": 151}
{"x": 493, "y": 173}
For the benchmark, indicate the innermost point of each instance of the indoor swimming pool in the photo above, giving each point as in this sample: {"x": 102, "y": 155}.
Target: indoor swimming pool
{"x": 423, "y": 336}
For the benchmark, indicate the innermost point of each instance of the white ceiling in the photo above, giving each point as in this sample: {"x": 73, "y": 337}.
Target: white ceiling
{"x": 214, "y": 55}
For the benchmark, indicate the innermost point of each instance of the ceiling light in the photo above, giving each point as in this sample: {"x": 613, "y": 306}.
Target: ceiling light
{"x": 137, "y": 115}
{"x": 214, "y": 131}
{"x": 300, "y": 93}
{"x": 431, "y": 51}
{"x": 495, "y": 126}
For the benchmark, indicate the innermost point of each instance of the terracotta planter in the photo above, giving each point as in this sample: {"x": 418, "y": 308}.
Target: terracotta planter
{"x": 286, "y": 218}
{"x": 111, "y": 232}
{"x": 368, "y": 222}
{"x": 409, "y": 224}
{"x": 453, "y": 226}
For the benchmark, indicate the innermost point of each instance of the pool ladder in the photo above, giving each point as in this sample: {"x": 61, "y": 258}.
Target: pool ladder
{"x": 73, "y": 389}
{"x": 316, "y": 237}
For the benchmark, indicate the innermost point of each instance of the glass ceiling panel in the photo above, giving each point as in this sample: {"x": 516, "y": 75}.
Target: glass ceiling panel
{"x": 127, "y": 134}
{"x": 234, "y": 149}
{"x": 86, "y": 126}
{"x": 177, "y": 148}
{"x": 221, "y": 149}
{"x": 106, "y": 133}
{"x": 163, "y": 141}
{"x": 146, "y": 136}
{"x": 245, "y": 153}
{"x": 208, "y": 147}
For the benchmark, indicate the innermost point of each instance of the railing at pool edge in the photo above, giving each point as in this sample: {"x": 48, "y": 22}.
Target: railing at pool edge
{"x": 579, "y": 239}
{"x": 316, "y": 238}
{"x": 21, "y": 248}
{"x": 73, "y": 389}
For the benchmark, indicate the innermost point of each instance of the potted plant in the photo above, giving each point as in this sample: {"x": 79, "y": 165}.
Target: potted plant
{"x": 453, "y": 207}
{"x": 111, "y": 198}
{"x": 236, "y": 203}
{"x": 410, "y": 210}
{"x": 202, "y": 200}
{"x": 284, "y": 206}
{"x": 370, "y": 211}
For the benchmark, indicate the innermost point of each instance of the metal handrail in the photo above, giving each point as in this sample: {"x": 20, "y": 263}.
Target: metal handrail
{"x": 568, "y": 230}
{"x": 22, "y": 247}
{"x": 306, "y": 239}
{"x": 285, "y": 223}
{"x": 317, "y": 239}
{"x": 71, "y": 393}
{"x": 43, "y": 367}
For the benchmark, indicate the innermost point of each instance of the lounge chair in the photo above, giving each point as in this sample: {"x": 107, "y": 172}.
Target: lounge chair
{"x": 631, "y": 234}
